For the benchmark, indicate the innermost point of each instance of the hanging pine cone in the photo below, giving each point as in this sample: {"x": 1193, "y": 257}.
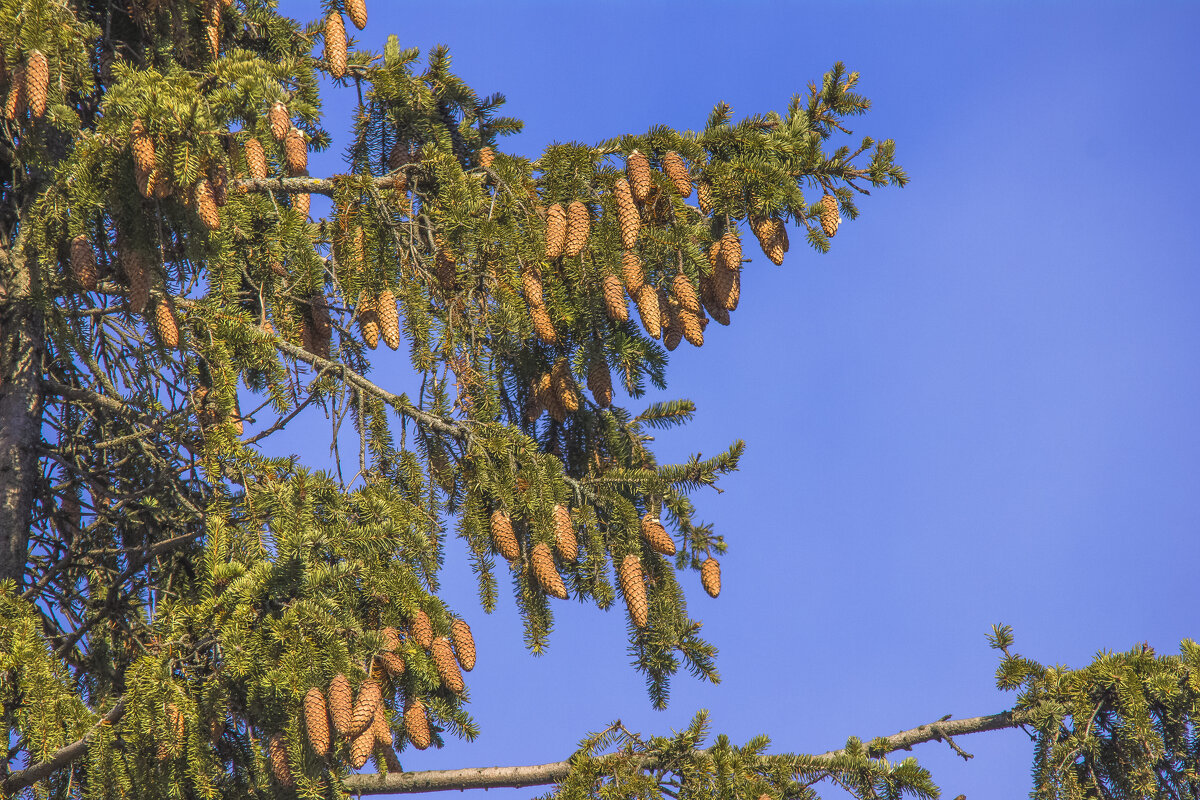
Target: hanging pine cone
{"x": 464, "y": 644}
{"x": 631, "y": 273}
{"x": 340, "y": 705}
{"x": 710, "y": 576}
{"x": 648, "y": 310}
{"x": 295, "y": 152}
{"x": 503, "y": 537}
{"x": 361, "y": 747}
{"x": 614, "y": 299}
{"x": 564, "y": 534}
{"x": 563, "y": 386}
{"x": 627, "y": 214}
{"x": 335, "y": 44}
{"x": 279, "y": 121}
{"x": 704, "y": 198}
{"x": 368, "y": 320}
{"x": 830, "y": 216}
{"x": 166, "y": 328}
{"x": 772, "y": 237}
{"x": 579, "y": 227}
{"x": 556, "y": 231}
{"x": 256, "y": 159}
{"x": 656, "y": 535}
{"x": 212, "y": 27}
{"x": 277, "y": 749}
{"x": 599, "y": 381}
{"x": 83, "y": 263}
{"x": 137, "y": 275}
{"x": 708, "y": 298}
{"x": 486, "y": 157}
{"x": 542, "y": 325}
{"x": 673, "y": 329}
{"x": 318, "y": 308}
{"x": 14, "y": 101}
{"x": 634, "y": 590}
{"x": 392, "y": 664}
{"x": 422, "y": 629}
{"x": 447, "y": 666}
{"x": 316, "y": 721}
{"x": 726, "y": 287}
{"x": 731, "y": 251}
{"x": 37, "y": 83}
{"x": 685, "y": 293}
{"x": 369, "y": 697}
{"x": 416, "y": 724}
{"x": 668, "y": 312}
{"x": 380, "y": 728}
{"x": 546, "y": 573}
{"x": 637, "y": 168}
{"x": 677, "y": 171}
{"x": 692, "y": 326}
{"x": 391, "y": 639}
{"x": 357, "y": 11}
{"x": 206, "y": 206}
{"x": 142, "y": 146}
{"x": 300, "y": 204}
{"x": 531, "y": 284}
{"x": 389, "y": 318}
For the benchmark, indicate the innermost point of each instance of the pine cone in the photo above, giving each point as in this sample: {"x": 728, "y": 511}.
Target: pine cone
{"x": 277, "y": 749}
{"x": 37, "y": 83}
{"x": 542, "y": 325}
{"x": 380, "y": 729}
{"x": 731, "y": 251}
{"x": 704, "y": 198}
{"x": 708, "y": 297}
{"x": 369, "y": 698}
{"x": 486, "y": 157}
{"x": 166, "y": 329}
{"x": 391, "y": 639}
{"x": 710, "y": 576}
{"x": 464, "y": 644}
{"x": 685, "y": 293}
{"x": 295, "y": 150}
{"x": 137, "y": 274}
{"x": 175, "y": 724}
{"x": 579, "y": 227}
{"x": 634, "y": 590}
{"x": 256, "y": 159}
{"x": 340, "y": 706}
{"x": 357, "y": 11}
{"x": 545, "y": 571}
{"x": 564, "y": 534}
{"x": 335, "y": 44}
{"x": 206, "y": 206}
{"x": 416, "y": 724}
{"x": 318, "y": 309}
{"x": 599, "y": 381}
{"x": 503, "y": 537}
{"x": 627, "y": 214}
{"x": 830, "y": 216}
{"x": 556, "y": 231}
{"x": 692, "y": 326}
{"x": 772, "y": 237}
{"x": 14, "y": 101}
{"x": 389, "y": 318}
{"x": 656, "y": 535}
{"x": 368, "y": 320}
{"x": 648, "y": 310}
{"x": 727, "y": 288}
{"x": 142, "y": 146}
{"x": 677, "y": 171}
{"x": 447, "y": 667}
{"x": 316, "y": 721}
{"x": 212, "y": 27}
{"x": 531, "y": 283}
{"x": 83, "y": 263}
{"x": 392, "y": 663}
{"x": 361, "y": 747}
{"x": 637, "y": 168}
{"x": 422, "y": 629}
{"x": 631, "y": 273}
{"x": 279, "y": 121}
{"x": 673, "y": 330}
{"x": 563, "y": 386}
{"x": 614, "y": 299}
{"x": 300, "y": 204}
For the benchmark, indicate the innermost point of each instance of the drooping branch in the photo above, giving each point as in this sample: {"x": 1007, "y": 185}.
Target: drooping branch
{"x": 62, "y": 756}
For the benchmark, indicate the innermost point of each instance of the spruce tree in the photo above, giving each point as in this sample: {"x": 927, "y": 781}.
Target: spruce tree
{"x": 184, "y": 615}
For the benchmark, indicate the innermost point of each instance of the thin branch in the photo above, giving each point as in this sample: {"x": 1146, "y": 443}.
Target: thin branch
{"x": 62, "y": 756}
{"x": 307, "y": 185}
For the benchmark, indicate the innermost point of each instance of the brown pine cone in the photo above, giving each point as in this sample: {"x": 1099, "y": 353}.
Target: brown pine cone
{"x": 392, "y": 664}
{"x": 685, "y": 293}
{"x": 542, "y": 325}
{"x": 634, "y": 589}
{"x": 335, "y": 44}
{"x": 564, "y": 534}
{"x": 14, "y": 101}
{"x": 708, "y": 298}
{"x": 295, "y": 151}
{"x": 637, "y": 168}
{"x": 256, "y": 159}
{"x": 416, "y": 724}
{"x": 361, "y": 746}
{"x": 212, "y": 26}
{"x": 731, "y": 251}
{"x": 673, "y": 329}
{"x": 627, "y": 214}
{"x": 318, "y": 308}
{"x": 615, "y": 304}
{"x": 579, "y": 227}
{"x": 316, "y": 721}
{"x": 648, "y": 310}
{"x": 380, "y": 728}
{"x": 137, "y": 275}
{"x": 369, "y": 697}
{"x": 503, "y": 537}
{"x": 142, "y": 146}
{"x": 704, "y": 198}
{"x": 279, "y": 121}
{"x": 692, "y": 326}
{"x": 464, "y": 644}
{"x": 536, "y": 403}
{"x": 631, "y": 273}
{"x": 37, "y": 83}
{"x": 486, "y": 157}
{"x": 546, "y": 573}
{"x": 368, "y": 320}
{"x": 599, "y": 381}
{"x": 563, "y": 386}
{"x": 166, "y": 328}
{"x": 389, "y": 318}
{"x": 656, "y": 535}
{"x": 422, "y": 629}
{"x": 710, "y": 576}
{"x": 668, "y": 312}
{"x": 340, "y": 706}
{"x": 357, "y": 11}
{"x": 772, "y": 237}
{"x": 677, "y": 171}
{"x": 206, "y": 206}
{"x": 830, "y": 216}
{"x": 556, "y": 231}
{"x": 277, "y": 749}
{"x": 83, "y": 263}
{"x": 300, "y": 204}
{"x": 531, "y": 284}
{"x": 447, "y": 666}
{"x": 726, "y": 288}
{"x": 391, "y": 639}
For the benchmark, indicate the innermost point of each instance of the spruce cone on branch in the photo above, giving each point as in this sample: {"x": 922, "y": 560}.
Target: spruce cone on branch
{"x": 166, "y": 328}
{"x": 464, "y": 644}
{"x": 83, "y": 263}
{"x": 531, "y": 284}
{"x": 731, "y": 251}
{"x": 677, "y": 171}
{"x": 542, "y": 326}
{"x": 692, "y": 326}
{"x": 631, "y": 273}
{"x": 416, "y": 724}
{"x": 206, "y": 206}
{"x": 392, "y": 664}
{"x": 563, "y": 386}
{"x": 37, "y": 83}
{"x": 361, "y": 747}
{"x": 368, "y": 320}
{"x": 614, "y": 299}
{"x": 627, "y": 214}
{"x": 545, "y": 571}
{"x": 335, "y": 44}
{"x": 447, "y": 666}
{"x": 564, "y": 534}
{"x": 256, "y": 159}
{"x": 422, "y": 629}
{"x": 708, "y": 298}
{"x": 340, "y": 705}
{"x": 634, "y": 589}
{"x": 369, "y": 697}
{"x": 831, "y": 217}
{"x": 685, "y": 293}
{"x": 579, "y": 226}
{"x": 142, "y": 147}
{"x": 710, "y": 576}
{"x": 704, "y": 198}
{"x": 357, "y": 11}
{"x": 279, "y": 121}
{"x": 277, "y": 749}
{"x": 316, "y": 721}
{"x": 212, "y": 27}
{"x": 389, "y": 318}
{"x": 772, "y": 237}
{"x": 137, "y": 275}
{"x": 656, "y": 535}
{"x": 486, "y": 157}
{"x": 637, "y": 168}
{"x": 14, "y": 101}
{"x": 503, "y": 537}
{"x": 599, "y": 381}
{"x": 556, "y": 231}
{"x": 295, "y": 151}
{"x": 380, "y": 728}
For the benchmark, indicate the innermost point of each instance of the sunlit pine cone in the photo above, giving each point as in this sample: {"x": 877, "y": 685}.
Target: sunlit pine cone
{"x": 627, "y": 214}
{"x": 380, "y": 728}
{"x": 14, "y": 101}
{"x": 563, "y": 386}
{"x": 634, "y": 590}
{"x": 391, "y": 639}
{"x": 704, "y": 198}
{"x": 369, "y": 697}
{"x": 279, "y": 121}
{"x": 300, "y": 203}
{"x": 637, "y": 169}
{"x": 335, "y": 44}
{"x": 531, "y": 284}
{"x": 446, "y": 665}
{"x": 137, "y": 275}
{"x": 556, "y": 231}
{"x": 422, "y": 629}
{"x": 357, "y": 11}
{"x": 142, "y": 146}
{"x": 632, "y": 274}
{"x": 295, "y": 151}
{"x": 175, "y": 724}
{"x": 542, "y": 325}
{"x": 545, "y": 572}
{"x": 341, "y": 707}
{"x": 206, "y": 206}
{"x": 656, "y": 535}
{"x": 710, "y": 576}
{"x": 599, "y": 381}
{"x": 648, "y": 310}
{"x": 692, "y": 326}
{"x": 368, "y": 320}
{"x": 708, "y": 299}
{"x": 614, "y": 299}
{"x": 316, "y": 721}
{"x": 564, "y": 534}
{"x": 579, "y": 227}
{"x": 685, "y": 293}
{"x": 677, "y": 171}
{"x": 503, "y": 537}
{"x": 389, "y": 318}
{"x": 464, "y": 644}
{"x": 277, "y": 749}
{"x": 416, "y": 724}
{"x": 772, "y": 237}
{"x": 361, "y": 746}
{"x": 731, "y": 251}
{"x": 212, "y": 27}
{"x": 166, "y": 328}
{"x": 486, "y": 157}
{"x": 37, "y": 83}
{"x": 83, "y": 263}
{"x": 256, "y": 159}
{"x": 392, "y": 664}
{"x": 831, "y": 217}
{"x": 536, "y": 402}
{"x": 672, "y": 333}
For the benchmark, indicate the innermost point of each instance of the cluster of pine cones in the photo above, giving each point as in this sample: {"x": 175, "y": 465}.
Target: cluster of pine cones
{"x": 28, "y": 86}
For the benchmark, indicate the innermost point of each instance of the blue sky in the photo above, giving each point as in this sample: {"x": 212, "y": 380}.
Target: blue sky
{"x": 982, "y": 406}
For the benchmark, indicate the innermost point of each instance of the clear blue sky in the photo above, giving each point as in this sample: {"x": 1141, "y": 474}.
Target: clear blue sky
{"x": 982, "y": 406}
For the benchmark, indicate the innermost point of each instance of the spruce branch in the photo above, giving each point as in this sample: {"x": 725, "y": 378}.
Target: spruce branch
{"x": 63, "y": 756}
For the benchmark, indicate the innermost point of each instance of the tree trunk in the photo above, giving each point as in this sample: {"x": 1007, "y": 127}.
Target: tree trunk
{"x": 20, "y": 404}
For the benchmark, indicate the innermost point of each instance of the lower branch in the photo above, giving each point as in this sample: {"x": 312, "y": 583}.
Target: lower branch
{"x": 62, "y": 756}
